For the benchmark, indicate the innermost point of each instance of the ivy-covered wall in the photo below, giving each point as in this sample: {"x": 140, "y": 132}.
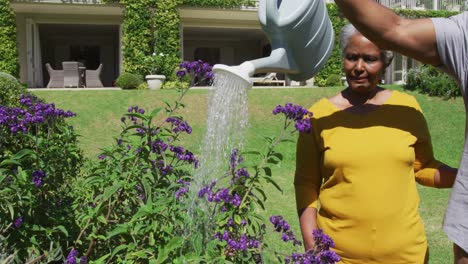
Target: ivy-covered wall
{"x": 8, "y": 49}
{"x": 137, "y": 34}
{"x": 152, "y": 27}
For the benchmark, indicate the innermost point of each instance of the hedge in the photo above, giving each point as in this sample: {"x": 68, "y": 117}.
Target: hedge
{"x": 8, "y": 49}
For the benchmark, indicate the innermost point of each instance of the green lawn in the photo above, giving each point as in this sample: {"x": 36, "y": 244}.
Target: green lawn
{"x": 98, "y": 121}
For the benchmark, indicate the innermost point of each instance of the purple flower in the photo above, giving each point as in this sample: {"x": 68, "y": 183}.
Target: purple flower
{"x": 296, "y": 113}
{"x": 83, "y": 260}
{"x": 182, "y": 190}
{"x": 102, "y": 157}
{"x": 18, "y": 222}
{"x": 71, "y": 258}
{"x": 321, "y": 239}
{"x": 196, "y": 70}
{"x": 38, "y": 177}
{"x": 179, "y": 126}
{"x": 235, "y": 159}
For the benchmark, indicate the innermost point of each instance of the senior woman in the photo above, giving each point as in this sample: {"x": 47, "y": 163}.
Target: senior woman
{"x": 356, "y": 172}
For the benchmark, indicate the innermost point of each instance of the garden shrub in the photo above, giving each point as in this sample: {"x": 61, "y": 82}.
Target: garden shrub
{"x": 39, "y": 159}
{"x": 429, "y": 80}
{"x": 143, "y": 86}
{"x": 129, "y": 81}
{"x": 10, "y": 90}
{"x": 8, "y": 49}
{"x": 175, "y": 85}
{"x": 333, "y": 80}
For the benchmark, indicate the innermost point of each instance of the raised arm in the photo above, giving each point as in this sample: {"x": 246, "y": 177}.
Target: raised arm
{"x": 414, "y": 38}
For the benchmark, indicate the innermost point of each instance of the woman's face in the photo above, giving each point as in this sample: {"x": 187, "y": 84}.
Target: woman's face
{"x": 363, "y": 64}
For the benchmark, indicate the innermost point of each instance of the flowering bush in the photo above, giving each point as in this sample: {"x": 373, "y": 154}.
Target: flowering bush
{"x": 138, "y": 202}
{"x": 39, "y": 158}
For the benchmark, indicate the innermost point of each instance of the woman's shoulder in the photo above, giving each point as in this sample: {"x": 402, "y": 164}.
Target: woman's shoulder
{"x": 405, "y": 99}
{"x": 322, "y": 107}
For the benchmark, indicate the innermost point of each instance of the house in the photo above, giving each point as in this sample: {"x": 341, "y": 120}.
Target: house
{"x": 52, "y": 31}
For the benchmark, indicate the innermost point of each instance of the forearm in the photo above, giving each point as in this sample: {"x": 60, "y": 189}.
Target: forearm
{"x": 308, "y": 222}
{"x": 444, "y": 176}
{"x": 414, "y": 38}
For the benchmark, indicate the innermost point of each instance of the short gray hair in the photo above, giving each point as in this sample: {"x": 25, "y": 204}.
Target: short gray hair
{"x": 345, "y": 35}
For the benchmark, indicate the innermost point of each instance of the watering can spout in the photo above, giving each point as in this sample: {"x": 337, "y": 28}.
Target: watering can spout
{"x": 276, "y": 62}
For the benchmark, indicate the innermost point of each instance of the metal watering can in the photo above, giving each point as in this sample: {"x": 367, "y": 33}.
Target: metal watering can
{"x": 301, "y": 37}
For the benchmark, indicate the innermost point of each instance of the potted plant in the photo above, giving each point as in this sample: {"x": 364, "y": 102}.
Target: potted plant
{"x": 155, "y": 64}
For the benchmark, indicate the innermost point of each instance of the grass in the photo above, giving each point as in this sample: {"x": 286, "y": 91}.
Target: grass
{"x": 98, "y": 121}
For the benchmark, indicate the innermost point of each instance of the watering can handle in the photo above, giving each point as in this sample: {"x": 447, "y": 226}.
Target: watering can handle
{"x": 273, "y": 17}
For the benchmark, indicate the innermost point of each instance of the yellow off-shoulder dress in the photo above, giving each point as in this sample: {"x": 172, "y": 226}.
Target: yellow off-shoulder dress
{"x": 361, "y": 170}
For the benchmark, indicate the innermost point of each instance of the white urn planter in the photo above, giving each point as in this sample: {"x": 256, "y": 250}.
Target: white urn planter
{"x": 155, "y": 81}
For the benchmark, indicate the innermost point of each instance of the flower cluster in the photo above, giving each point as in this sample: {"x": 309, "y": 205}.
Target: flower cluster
{"x": 243, "y": 243}
{"x": 235, "y": 159}
{"x": 178, "y": 125}
{"x": 18, "y": 222}
{"x": 71, "y": 257}
{"x": 221, "y": 195}
{"x": 184, "y": 155}
{"x": 282, "y": 226}
{"x": 296, "y": 113}
{"x": 198, "y": 71}
{"x": 31, "y": 112}
{"x": 320, "y": 254}
{"x": 183, "y": 189}
{"x": 38, "y": 177}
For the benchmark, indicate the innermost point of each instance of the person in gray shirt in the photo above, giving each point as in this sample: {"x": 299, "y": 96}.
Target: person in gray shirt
{"x": 442, "y": 42}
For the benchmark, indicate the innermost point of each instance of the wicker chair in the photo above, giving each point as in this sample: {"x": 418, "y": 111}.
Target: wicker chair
{"x": 93, "y": 77}
{"x": 56, "y": 77}
{"x": 71, "y": 73}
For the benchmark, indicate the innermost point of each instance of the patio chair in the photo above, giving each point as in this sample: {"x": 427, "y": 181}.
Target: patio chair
{"x": 71, "y": 74}
{"x": 93, "y": 77}
{"x": 56, "y": 77}
{"x": 269, "y": 79}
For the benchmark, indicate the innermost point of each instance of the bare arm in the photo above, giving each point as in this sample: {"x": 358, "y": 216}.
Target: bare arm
{"x": 414, "y": 38}
{"x": 308, "y": 222}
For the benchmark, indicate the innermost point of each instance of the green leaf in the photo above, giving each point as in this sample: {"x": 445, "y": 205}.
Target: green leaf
{"x": 155, "y": 112}
{"x": 117, "y": 231}
{"x": 102, "y": 219}
{"x": 140, "y": 254}
{"x": 8, "y": 162}
{"x": 118, "y": 249}
{"x": 277, "y": 155}
{"x": 270, "y": 180}
{"x": 273, "y": 160}
{"x": 267, "y": 171}
{"x": 237, "y": 219}
{"x": 174, "y": 243}
{"x": 102, "y": 259}
{"x": 62, "y": 229}
{"x": 12, "y": 211}
{"x": 108, "y": 192}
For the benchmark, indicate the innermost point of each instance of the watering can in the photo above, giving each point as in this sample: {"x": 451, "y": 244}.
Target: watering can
{"x": 301, "y": 37}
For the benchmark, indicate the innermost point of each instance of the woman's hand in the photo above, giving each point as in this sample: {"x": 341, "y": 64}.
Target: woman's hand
{"x": 445, "y": 177}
